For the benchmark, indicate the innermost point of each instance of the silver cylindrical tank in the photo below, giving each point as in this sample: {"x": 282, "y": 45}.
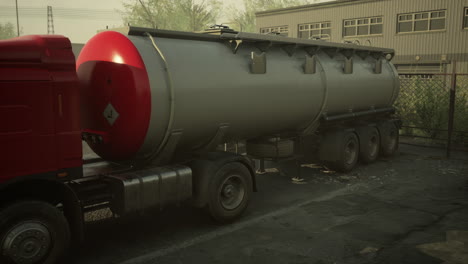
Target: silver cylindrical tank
{"x": 200, "y": 89}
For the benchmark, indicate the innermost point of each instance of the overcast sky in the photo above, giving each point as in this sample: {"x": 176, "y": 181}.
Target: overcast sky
{"x": 77, "y": 19}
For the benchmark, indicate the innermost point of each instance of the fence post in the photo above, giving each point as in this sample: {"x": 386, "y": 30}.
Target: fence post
{"x": 451, "y": 113}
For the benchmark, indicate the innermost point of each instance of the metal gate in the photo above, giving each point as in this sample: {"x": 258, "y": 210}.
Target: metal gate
{"x": 434, "y": 109}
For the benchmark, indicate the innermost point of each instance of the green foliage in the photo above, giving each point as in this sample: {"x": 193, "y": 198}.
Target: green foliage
{"x": 7, "y": 31}
{"x": 196, "y": 17}
{"x": 432, "y": 108}
{"x": 246, "y": 19}
{"x": 425, "y": 103}
{"x": 184, "y": 15}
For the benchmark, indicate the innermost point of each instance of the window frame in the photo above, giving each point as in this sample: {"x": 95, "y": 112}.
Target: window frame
{"x": 280, "y": 29}
{"x": 465, "y": 18}
{"x": 355, "y": 23}
{"x": 429, "y": 18}
{"x": 320, "y": 29}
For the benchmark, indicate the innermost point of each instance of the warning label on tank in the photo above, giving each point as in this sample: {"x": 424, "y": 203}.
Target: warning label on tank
{"x": 110, "y": 114}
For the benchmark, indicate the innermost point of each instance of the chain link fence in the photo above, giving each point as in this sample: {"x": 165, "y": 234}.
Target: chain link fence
{"x": 428, "y": 104}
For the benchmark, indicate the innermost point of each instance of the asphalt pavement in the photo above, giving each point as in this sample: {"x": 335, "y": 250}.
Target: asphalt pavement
{"x": 412, "y": 208}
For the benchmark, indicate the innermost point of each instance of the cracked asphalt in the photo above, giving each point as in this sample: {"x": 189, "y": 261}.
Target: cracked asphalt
{"x": 384, "y": 212}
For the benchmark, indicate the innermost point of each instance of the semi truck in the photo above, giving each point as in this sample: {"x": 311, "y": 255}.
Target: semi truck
{"x": 156, "y": 106}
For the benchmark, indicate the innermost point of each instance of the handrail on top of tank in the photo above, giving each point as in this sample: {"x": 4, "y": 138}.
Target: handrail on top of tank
{"x": 141, "y": 31}
{"x": 254, "y": 37}
{"x": 329, "y": 47}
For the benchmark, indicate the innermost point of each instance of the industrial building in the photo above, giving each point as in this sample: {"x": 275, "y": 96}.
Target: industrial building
{"x": 427, "y": 35}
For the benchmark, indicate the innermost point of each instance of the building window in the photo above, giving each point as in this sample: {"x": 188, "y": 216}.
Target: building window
{"x": 363, "y": 26}
{"x": 320, "y": 30}
{"x": 465, "y": 18}
{"x": 281, "y": 30}
{"x": 421, "y": 22}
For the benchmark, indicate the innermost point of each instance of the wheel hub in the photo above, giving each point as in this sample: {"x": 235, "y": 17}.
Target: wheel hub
{"x": 232, "y": 192}
{"x": 229, "y": 191}
{"x": 27, "y": 242}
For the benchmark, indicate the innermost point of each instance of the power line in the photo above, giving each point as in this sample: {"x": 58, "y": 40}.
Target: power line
{"x": 86, "y": 10}
{"x": 67, "y": 13}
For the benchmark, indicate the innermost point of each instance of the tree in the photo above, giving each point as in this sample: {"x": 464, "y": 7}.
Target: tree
{"x": 7, "y": 31}
{"x": 184, "y": 15}
{"x": 246, "y": 19}
{"x": 151, "y": 14}
{"x": 196, "y": 17}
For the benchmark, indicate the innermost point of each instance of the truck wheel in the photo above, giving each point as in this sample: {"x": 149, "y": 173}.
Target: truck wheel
{"x": 33, "y": 232}
{"x": 348, "y": 155}
{"x": 389, "y": 140}
{"x": 370, "y": 148}
{"x": 230, "y": 192}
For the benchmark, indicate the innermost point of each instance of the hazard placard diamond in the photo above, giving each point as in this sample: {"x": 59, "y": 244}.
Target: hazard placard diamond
{"x": 110, "y": 114}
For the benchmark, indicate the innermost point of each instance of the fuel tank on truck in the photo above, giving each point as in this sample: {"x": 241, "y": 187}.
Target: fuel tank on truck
{"x": 154, "y": 90}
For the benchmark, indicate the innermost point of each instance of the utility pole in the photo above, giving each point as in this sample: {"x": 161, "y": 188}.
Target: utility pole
{"x": 17, "y": 18}
{"x": 50, "y": 21}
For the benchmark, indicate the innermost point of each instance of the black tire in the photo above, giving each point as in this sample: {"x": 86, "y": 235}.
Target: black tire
{"x": 229, "y": 177}
{"x": 389, "y": 141}
{"x": 348, "y": 154}
{"x": 371, "y": 146}
{"x": 28, "y": 225}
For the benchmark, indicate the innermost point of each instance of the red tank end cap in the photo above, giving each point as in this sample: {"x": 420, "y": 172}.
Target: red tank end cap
{"x": 116, "y": 96}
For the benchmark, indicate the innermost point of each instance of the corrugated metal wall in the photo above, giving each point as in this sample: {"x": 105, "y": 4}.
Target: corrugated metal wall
{"x": 430, "y": 47}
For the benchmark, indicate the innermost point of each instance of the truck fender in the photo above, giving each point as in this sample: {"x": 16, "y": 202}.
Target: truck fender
{"x": 74, "y": 214}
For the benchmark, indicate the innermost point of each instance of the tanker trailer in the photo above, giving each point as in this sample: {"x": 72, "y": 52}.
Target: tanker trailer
{"x": 154, "y": 95}
{"x": 163, "y": 102}
{"x": 156, "y": 105}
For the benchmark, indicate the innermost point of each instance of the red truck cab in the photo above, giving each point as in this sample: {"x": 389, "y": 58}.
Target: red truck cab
{"x": 40, "y": 133}
{"x": 40, "y": 148}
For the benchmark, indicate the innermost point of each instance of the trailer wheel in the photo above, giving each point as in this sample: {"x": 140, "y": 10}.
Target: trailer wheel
{"x": 348, "y": 154}
{"x": 33, "y": 232}
{"x": 230, "y": 192}
{"x": 371, "y": 147}
{"x": 389, "y": 140}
